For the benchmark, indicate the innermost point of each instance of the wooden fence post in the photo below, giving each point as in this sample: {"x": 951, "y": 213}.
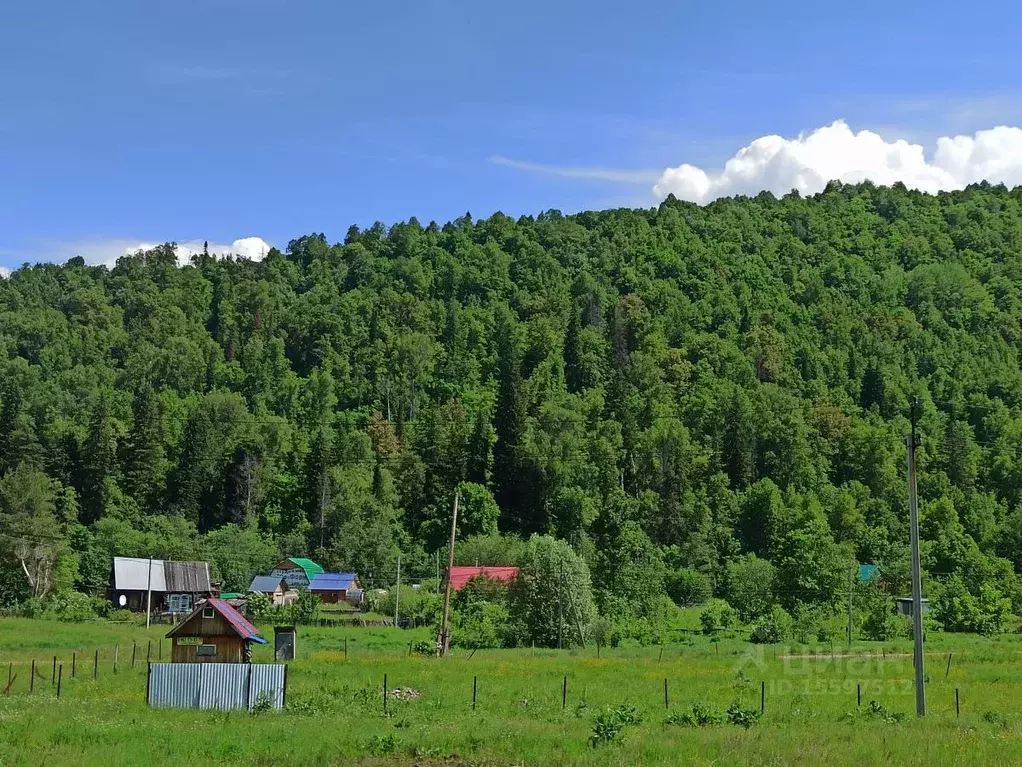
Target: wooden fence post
{"x": 74, "y": 664}
{"x": 385, "y": 694}
{"x": 958, "y": 708}
{"x": 475, "y": 681}
{"x": 60, "y": 678}
{"x": 564, "y": 693}
{"x": 95, "y": 667}
{"x": 133, "y": 653}
{"x": 667, "y": 702}
{"x": 762, "y": 697}
{"x": 31, "y": 685}
{"x": 53, "y": 674}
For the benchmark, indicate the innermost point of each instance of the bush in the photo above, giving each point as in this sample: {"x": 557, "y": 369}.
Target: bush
{"x": 772, "y": 628}
{"x": 700, "y": 715}
{"x": 957, "y": 609}
{"x": 72, "y": 606}
{"x": 718, "y": 616}
{"x": 608, "y": 725}
{"x": 601, "y": 631}
{"x": 480, "y": 625}
{"x": 742, "y": 717}
{"x": 689, "y": 587}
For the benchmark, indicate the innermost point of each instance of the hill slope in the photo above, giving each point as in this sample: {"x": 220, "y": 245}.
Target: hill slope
{"x": 666, "y": 388}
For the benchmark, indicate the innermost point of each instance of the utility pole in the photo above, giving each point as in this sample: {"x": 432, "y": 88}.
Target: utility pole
{"x": 851, "y": 615}
{"x": 149, "y": 595}
{"x": 397, "y": 591}
{"x": 917, "y": 586}
{"x": 444, "y": 640}
{"x": 560, "y": 606}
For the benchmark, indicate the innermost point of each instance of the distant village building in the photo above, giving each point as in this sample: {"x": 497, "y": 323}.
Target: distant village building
{"x": 214, "y": 633}
{"x": 296, "y": 572}
{"x": 460, "y": 576}
{"x": 275, "y": 588}
{"x": 334, "y": 588}
{"x": 174, "y": 586}
{"x": 905, "y": 605}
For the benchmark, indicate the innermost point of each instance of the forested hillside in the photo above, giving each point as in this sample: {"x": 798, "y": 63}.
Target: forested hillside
{"x": 720, "y": 390}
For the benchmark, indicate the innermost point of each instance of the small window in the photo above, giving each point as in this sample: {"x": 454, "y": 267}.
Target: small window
{"x": 206, "y": 649}
{"x": 207, "y": 612}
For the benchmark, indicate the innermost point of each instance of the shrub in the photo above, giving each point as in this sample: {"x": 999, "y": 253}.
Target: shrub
{"x": 772, "y": 628}
{"x": 742, "y": 717}
{"x": 718, "y": 616}
{"x": 699, "y": 715}
{"x": 480, "y": 625}
{"x": 601, "y": 631}
{"x": 689, "y": 587}
{"x": 608, "y": 725}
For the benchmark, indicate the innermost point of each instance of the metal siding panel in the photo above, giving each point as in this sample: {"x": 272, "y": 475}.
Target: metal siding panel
{"x": 224, "y": 686}
{"x": 174, "y": 685}
{"x": 268, "y": 678}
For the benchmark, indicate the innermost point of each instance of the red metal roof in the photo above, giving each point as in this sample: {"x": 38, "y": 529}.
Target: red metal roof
{"x": 462, "y": 575}
{"x": 245, "y": 629}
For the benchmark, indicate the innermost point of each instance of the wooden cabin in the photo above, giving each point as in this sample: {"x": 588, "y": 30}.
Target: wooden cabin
{"x": 172, "y": 587}
{"x": 214, "y": 633}
{"x": 333, "y": 588}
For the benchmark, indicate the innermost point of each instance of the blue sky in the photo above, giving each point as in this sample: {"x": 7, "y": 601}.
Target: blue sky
{"x": 126, "y": 122}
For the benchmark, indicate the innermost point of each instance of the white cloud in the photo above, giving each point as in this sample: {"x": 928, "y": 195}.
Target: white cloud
{"x": 808, "y": 162}
{"x": 597, "y": 174}
{"x": 107, "y": 252}
{"x": 4, "y": 272}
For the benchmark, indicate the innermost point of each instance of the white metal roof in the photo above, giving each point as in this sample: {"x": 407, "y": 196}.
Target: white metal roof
{"x": 132, "y": 574}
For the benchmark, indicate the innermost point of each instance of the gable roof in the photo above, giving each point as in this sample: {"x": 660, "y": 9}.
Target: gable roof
{"x": 266, "y": 584}
{"x": 462, "y": 575}
{"x": 310, "y": 568}
{"x": 142, "y": 573}
{"x": 333, "y": 582}
{"x": 237, "y": 621}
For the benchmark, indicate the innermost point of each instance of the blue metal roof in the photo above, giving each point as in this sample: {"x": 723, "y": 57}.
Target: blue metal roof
{"x": 266, "y": 584}
{"x": 333, "y": 582}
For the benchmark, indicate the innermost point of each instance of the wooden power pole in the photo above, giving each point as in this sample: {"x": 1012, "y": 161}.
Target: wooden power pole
{"x": 444, "y": 640}
{"x": 917, "y": 586}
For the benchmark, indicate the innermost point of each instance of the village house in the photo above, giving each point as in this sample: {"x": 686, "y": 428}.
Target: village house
{"x": 275, "y": 588}
{"x": 460, "y": 576}
{"x": 296, "y": 572}
{"x": 169, "y": 587}
{"x": 214, "y": 633}
{"x": 334, "y": 588}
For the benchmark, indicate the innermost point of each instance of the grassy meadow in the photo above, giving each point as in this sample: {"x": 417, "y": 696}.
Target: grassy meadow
{"x": 335, "y": 707}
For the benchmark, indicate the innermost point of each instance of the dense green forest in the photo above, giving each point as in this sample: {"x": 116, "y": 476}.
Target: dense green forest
{"x": 694, "y": 398}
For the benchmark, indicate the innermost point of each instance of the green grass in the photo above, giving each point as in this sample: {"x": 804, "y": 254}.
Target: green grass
{"x": 335, "y": 712}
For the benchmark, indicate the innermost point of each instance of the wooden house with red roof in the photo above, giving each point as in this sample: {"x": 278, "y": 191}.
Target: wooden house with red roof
{"x": 214, "y": 633}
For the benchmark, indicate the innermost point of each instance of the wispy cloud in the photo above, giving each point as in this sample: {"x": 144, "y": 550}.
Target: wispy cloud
{"x": 592, "y": 174}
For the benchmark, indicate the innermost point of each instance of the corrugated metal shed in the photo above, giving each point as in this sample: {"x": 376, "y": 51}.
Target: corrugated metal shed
{"x": 266, "y": 584}
{"x": 333, "y": 582}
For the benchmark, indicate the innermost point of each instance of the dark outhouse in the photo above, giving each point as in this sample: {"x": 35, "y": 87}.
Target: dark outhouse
{"x": 214, "y": 633}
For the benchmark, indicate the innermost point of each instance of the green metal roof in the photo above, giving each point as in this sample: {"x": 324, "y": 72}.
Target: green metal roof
{"x": 868, "y": 573}
{"x": 230, "y": 595}
{"x": 311, "y": 568}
